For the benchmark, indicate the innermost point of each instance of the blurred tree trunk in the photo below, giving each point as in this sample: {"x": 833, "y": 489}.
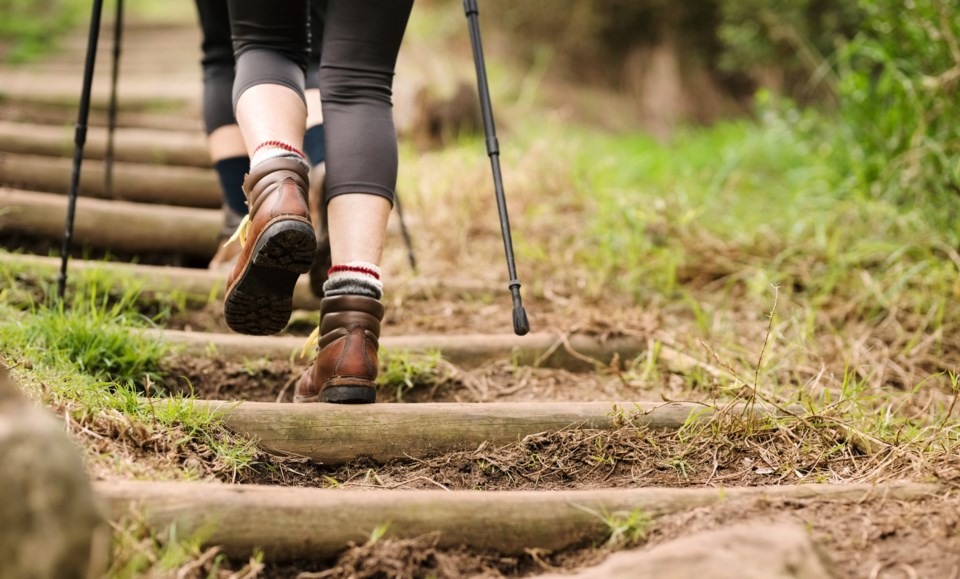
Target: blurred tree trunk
{"x": 667, "y": 75}
{"x": 663, "y": 55}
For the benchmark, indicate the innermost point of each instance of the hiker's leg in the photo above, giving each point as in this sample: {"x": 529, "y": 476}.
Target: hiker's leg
{"x": 270, "y": 41}
{"x": 360, "y": 45}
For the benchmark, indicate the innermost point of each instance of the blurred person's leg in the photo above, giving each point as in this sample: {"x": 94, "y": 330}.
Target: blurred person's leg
{"x": 224, "y": 141}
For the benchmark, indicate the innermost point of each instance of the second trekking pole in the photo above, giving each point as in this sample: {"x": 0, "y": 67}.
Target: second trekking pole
{"x": 79, "y": 140}
{"x": 112, "y": 116}
{"x": 520, "y": 323}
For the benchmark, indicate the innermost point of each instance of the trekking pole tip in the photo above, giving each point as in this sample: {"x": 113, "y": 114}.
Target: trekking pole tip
{"x": 521, "y": 325}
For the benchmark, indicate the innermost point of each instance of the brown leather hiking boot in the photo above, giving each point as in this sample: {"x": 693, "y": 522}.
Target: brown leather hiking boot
{"x": 346, "y": 364}
{"x": 278, "y": 245}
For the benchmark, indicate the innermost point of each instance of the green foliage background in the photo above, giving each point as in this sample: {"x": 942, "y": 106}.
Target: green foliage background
{"x": 31, "y": 27}
{"x": 884, "y": 74}
{"x": 897, "y": 87}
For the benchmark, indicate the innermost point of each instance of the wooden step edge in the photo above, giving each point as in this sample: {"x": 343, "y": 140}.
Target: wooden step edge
{"x": 577, "y": 352}
{"x": 130, "y": 145}
{"x": 132, "y": 182}
{"x": 132, "y": 100}
{"x": 123, "y": 226}
{"x": 119, "y": 225}
{"x": 334, "y": 434}
{"x": 301, "y": 523}
{"x": 200, "y": 285}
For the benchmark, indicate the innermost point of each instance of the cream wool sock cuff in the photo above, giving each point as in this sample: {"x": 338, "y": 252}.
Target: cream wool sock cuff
{"x": 272, "y": 149}
{"x": 354, "y": 278}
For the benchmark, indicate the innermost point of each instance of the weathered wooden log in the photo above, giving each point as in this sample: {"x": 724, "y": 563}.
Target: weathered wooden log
{"x": 25, "y": 86}
{"x": 540, "y": 348}
{"x": 198, "y": 285}
{"x": 335, "y": 434}
{"x": 51, "y": 524}
{"x": 31, "y": 112}
{"x": 130, "y": 145}
{"x": 119, "y": 225}
{"x": 747, "y": 551}
{"x": 142, "y": 183}
{"x": 289, "y": 523}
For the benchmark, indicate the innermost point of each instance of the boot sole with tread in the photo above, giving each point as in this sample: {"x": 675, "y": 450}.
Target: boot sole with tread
{"x": 261, "y": 301}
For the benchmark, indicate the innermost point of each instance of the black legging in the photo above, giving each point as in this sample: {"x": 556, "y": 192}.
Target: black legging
{"x": 358, "y": 53}
{"x": 218, "y": 63}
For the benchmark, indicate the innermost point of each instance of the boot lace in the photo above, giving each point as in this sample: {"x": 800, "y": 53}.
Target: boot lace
{"x": 312, "y": 343}
{"x": 242, "y": 232}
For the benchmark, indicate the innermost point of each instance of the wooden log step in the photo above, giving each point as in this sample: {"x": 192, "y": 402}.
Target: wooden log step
{"x": 172, "y": 93}
{"x": 199, "y": 285}
{"x": 118, "y": 225}
{"x": 130, "y": 145}
{"x": 292, "y": 523}
{"x": 52, "y": 114}
{"x": 541, "y": 348}
{"x": 143, "y": 183}
{"x": 338, "y": 433}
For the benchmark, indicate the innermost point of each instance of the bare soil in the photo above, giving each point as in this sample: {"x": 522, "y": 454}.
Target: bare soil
{"x": 878, "y": 538}
{"x": 215, "y": 378}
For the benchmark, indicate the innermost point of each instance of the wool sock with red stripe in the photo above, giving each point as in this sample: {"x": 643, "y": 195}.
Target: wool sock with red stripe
{"x": 357, "y": 278}
{"x": 272, "y": 149}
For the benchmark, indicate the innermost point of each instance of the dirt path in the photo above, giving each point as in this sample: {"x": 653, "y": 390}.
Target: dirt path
{"x": 867, "y": 534}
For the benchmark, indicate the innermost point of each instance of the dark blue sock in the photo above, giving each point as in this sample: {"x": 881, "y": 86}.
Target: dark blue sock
{"x": 314, "y": 145}
{"x": 231, "y": 172}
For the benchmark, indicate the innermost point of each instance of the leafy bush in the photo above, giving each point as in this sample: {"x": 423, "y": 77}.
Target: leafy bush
{"x": 898, "y": 90}
{"x": 888, "y": 70}
{"x": 786, "y": 43}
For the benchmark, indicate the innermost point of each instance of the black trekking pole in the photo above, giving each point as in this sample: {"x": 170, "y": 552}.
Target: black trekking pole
{"x": 406, "y": 234}
{"x": 112, "y": 117}
{"x": 79, "y": 140}
{"x": 520, "y": 323}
